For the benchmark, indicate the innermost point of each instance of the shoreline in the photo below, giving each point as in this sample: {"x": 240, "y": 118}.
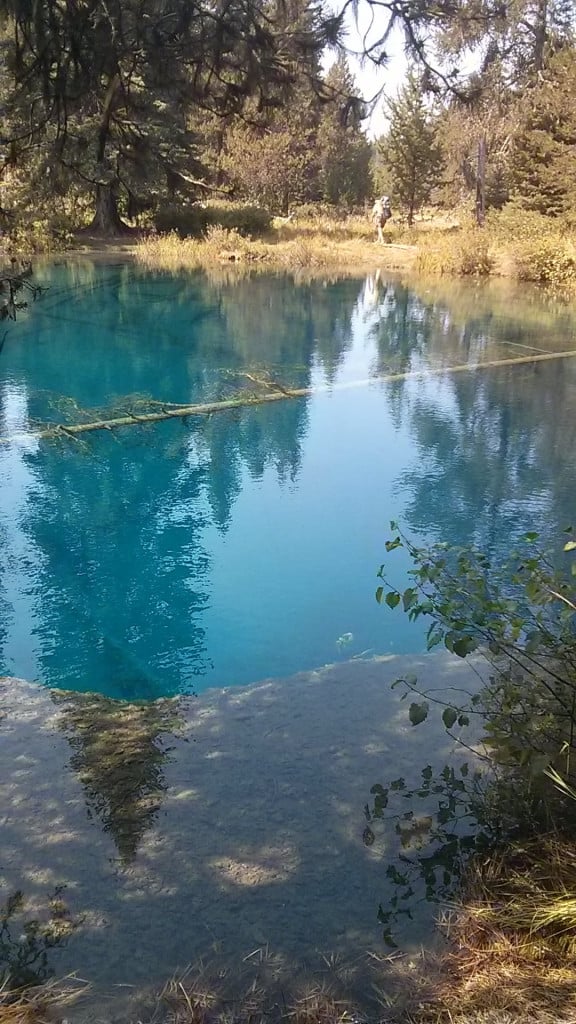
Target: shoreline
{"x": 210, "y": 828}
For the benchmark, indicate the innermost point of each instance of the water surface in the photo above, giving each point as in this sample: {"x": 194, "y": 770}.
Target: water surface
{"x": 198, "y": 553}
{"x": 212, "y": 552}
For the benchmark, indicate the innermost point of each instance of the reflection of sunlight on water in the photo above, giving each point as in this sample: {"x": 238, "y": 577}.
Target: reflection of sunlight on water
{"x": 268, "y": 866}
{"x": 20, "y": 564}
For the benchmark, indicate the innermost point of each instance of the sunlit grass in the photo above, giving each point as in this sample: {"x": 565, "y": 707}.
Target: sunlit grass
{"x": 513, "y": 243}
{"x": 310, "y": 242}
{"x": 42, "y": 1004}
{"x": 513, "y": 940}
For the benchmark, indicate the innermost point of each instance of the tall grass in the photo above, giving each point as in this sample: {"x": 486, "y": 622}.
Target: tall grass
{"x": 513, "y": 939}
{"x": 313, "y": 242}
{"x": 514, "y": 243}
{"x": 466, "y": 254}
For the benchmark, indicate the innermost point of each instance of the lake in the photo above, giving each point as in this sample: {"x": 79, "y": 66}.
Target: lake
{"x": 209, "y": 552}
{"x": 196, "y": 596}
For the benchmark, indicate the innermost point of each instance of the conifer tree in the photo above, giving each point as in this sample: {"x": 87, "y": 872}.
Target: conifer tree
{"x": 99, "y": 92}
{"x": 343, "y": 150}
{"x": 410, "y": 151}
{"x": 544, "y": 152}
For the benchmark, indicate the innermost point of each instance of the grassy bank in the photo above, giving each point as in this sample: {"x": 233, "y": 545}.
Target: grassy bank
{"x": 514, "y": 244}
{"x": 315, "y": 244}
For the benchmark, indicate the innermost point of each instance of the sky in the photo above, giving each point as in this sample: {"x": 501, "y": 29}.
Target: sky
{"x": 388, "y": 79}
{"x": 370, "y": 79}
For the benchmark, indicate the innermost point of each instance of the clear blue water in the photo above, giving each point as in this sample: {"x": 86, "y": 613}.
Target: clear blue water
{"x": 212, "y": 552}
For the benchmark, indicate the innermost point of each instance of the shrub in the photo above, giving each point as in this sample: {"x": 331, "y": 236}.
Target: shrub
{"x": 466, "y": 254}
{"x": 27, "y": 237}
{"x": 514, "y": 224}
{"x": 195, "y": 220}
{"x": 551, "y": 261}
{"x": 473, "y": 257}
{"x": 519, "y": 613}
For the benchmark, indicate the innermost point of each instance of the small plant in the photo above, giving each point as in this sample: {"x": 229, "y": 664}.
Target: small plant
{"x": 550, "y": 261}
{"x": 520, "y": 615}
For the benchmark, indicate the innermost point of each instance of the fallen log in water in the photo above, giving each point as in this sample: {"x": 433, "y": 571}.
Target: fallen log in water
{"x": 168, "y": 412}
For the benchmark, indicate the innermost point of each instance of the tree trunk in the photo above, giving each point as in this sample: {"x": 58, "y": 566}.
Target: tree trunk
{"x": 106, "y": 219}
{"x": 540, "y": 35}
{"x": 481, "y": 182}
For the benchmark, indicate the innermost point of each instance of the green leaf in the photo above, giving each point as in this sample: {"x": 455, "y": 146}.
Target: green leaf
{"x": 449, "y": 716}
{"x": 418, "y": 713}
{"x": 464, "y": 646}
{"x": 409, "y": 598}
{"x": 435, "y": 637}
{"x": 390, "y": 545}
{"x": 463, "y": 720}
{"x": 531, "y": 537}
{"x": 379, "y": 593}
{"x": 392, "y": 599}
{"x": 570, "y": 546}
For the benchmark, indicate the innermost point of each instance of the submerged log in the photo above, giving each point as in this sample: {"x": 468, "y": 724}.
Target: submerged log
{"x": 168, "y": 412}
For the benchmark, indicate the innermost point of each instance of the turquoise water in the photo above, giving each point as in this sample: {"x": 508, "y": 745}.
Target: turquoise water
{"x": 212, "y": 552}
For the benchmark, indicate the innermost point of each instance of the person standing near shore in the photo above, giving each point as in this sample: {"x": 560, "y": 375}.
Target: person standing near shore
{"x": 381, "y": 214}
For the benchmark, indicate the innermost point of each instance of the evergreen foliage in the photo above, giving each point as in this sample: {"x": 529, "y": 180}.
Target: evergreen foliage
{"x": 543, "y": 166}
{"x": 344, "y": 152}
{"x": 112, "y": 110}
{"x": 410, "y": 151}
{"x": 99, "y": 93}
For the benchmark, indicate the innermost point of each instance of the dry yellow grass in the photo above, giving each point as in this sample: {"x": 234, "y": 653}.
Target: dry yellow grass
{"x": 314, "y": 244}
{"x": 513, "y": 941}
{"x": 42, "y": 1004}
{"x": 513, "y": 243}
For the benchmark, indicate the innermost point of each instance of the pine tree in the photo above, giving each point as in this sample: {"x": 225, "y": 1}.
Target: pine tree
{"x": 410, "y": 151}
{"x": 100, "y": 92}
{"x": 544, "y": 152}
{"x": 269, "y": 153}
{"x": 343, "y": 150}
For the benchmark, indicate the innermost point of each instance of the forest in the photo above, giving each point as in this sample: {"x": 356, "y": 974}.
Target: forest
{"x": 135, "y": 112}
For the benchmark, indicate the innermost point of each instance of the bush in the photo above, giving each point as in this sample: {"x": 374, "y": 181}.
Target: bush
{"x": 513, "y": 224}
{"x": 473, "y": 256}
{"x": 519, "y": 613}
{"x": 195, "y": 220}
{"x": 466, "y": 254}
{"x": 25, "y": 238}
{"x": 551, "y": 261}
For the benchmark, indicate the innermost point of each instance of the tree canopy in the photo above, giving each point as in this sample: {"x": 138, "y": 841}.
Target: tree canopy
{"x": 120, "y": 105}
{"x": 101, "y": 93}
